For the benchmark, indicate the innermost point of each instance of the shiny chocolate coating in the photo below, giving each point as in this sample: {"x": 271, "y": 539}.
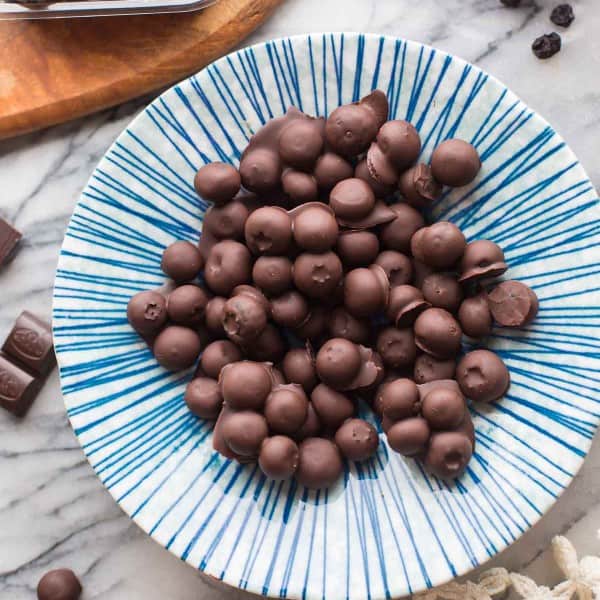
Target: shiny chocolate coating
{"x": 338, "y": 362}
{"x": 397, "y": 347}
{"x": 409, "y": 437}
{"x": 260, "y": 169}
{"x": 365, "y": 293}
{"x": 371, "y": 372}
{"x": 268, "y": 346}
{"x": 400, "y": 399}
{"x": 443, "y": 291}
{"x": 482, "y": 259}
{"x": 443, "y": 244}
{"x": 448, "y": 454}
{"x": 301, "y": 142}
{"x": 186, "y": 305}
{"x": 513, "y": 304}
{"x": 350, "y": 129}
{"x": 299, "y": 187}
{"x": 177, "y": 347}
{"x": 482, "y": 376}
{"x": 380, "y": 167}
{"x": 227, "y": 221}
{"x": 203, "y": 397}
{"x": 312, "y": 426}
{"x": 357, "y": 248}
{"x": 331, "y": 406}
{"x": 244, "y": 318}
{"x": 59, "y": 584}
{"x": 254, "y": 293}
{"x": 379, "y": 215}
{"x": 218, "y": 182}
{"x": 317, "y": 275}
{"x": 418, "y": 186}
{"x": 330, "y": 169}
{"x": 315, "y": 324}
{"x": 438, "y": 333}
{"x": 245, "y": 385}
{"x": 399, "y": 141}
{"x": 244, "y": 432}
{"x": 377, "y": 103}
{"x": 344, "y": 325}
{"x": 416, "y": 244}
{"x": 379, "y": 189}
{"x": 405, "y": 304}
{"x": 320, "y": 463}
{"x": 228, "y": 265}
{"x": 268, "y": 230}
{"x": 272, "y": 274}
{"x": 475, "y": 316}
{"x": 213, "y": 315}
{"x": 286, "y": 408}
{"x": 315, "y": 228}
{"x": 443, "y": 408}
{"x": 290, "y": 309}
{"x": 218, "y": 354}
{"x": 428, "y": 368}
{"x": 396, "y": 234}
{"x": 278, "y": 457}
{"x": 397, "y": 267}
{"x": 299, "y": 367}
{"x": 420, "y": 271}
{"x": 357, "y": 439}
{"x": 147, "y": 312}
{"x": 352, "y": 199}
{"x": 181, "y": 261}
{"x": 455, "y": 163}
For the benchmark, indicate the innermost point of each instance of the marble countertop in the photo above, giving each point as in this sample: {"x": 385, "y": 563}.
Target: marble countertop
{"x": 53, "y": 510}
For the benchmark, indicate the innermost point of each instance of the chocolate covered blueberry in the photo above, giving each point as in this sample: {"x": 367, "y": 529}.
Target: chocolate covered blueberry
{"x": 286, "y": 408}
{"x": 441, "y": 245}
{"x": 455, "y": 163}
{"x": 317, "y": 275}
{"x": 226, "y": 222}
{"x": 176, "y": 347}
{"x": 448, "y": 454}
{"x": 245, "y": 385}
{"x": 278, "y": 458}
{"x": 396, "y": 347}
{"x": 218, "y": 182}
{"x": 290, "y": 309}
{"x": 409, "y": 437}
{"x": 331, "y": 406}
{"x": 443, "y": 291}
{"x": 342, "y": 324}
{"x": 315, "y": 324}
{"x": 400, "y": 399}
{"x": 244, "y": 318}
{"x": 443, "y": 408}
{"x": 405, "y": 304}
{"x": 203, "y": 397}
{"x": 338, "y": 362}
{"x": 366, "y": 291}
{"x": 475, "y": 316}
{"x": 397, "y": 267}
{"x": 181, "y": 261}
{"x": 419, "y": 187}
{"x": 481, "y": 259}
{"x": 513, "y": 304}
{"x": 350, "y": 129}
{"x": 244, "y": 432}
{"x": 213, "y": 315}
{"x": 299, "y": 367}
{"x": 400, "y": 143}
{"x": 218, "y": 354}
{"x": 269, "y": 346}
{"x": 228, "y": 265}
{"x": 147, "y": 312}
{"x": 268, "y": 230}
{"x": 482, "y": 376}
{"x": 301, "y": 142}
{"x": 186, "y": 305}
{"x": 357, "y": 439}
{"x": 260, "y": 169}
{"x": 272, "y": 274}
{"x": 379, "y": 189}
{"x": 352, "y": 199}
{"x": 357, "y": 248}
{"x": 59, "y": 584}
{"x": 396, "y": 234}
{"x": 438, "y": 333}
{"x": 429, "y": 368}
{"x": 299, "y": 187}
{"x": 320, "y": 463}
{"x": 315, "y": 228}
{"x": 330, "y": 169}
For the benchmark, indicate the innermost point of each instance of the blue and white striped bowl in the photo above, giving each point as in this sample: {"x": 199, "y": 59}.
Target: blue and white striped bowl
{"x": 388, "y": 528}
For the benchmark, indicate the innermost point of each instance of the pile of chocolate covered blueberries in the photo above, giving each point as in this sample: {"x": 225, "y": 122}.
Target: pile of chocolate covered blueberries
{"x": 323, "y": 285}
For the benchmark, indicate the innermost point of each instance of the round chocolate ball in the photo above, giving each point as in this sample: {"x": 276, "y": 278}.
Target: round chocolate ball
{"x": 254, "y": 293}
{"x": 299, "y": 367}
{"x": 228, "y": 265}
{"x": 244, "y": 432}
{"x": 260, "y": 170}
{"x": 475, "y": 316}
{"x": 245, "y": 385}
{"x": 428, "y": 368}
{"x": 344, "y": 325}
{"x": 203, "y": 397}
{"x": 331, "y": 406}
{"x": 379, "y": 189}
{"x": 443, "y": 244}
{"x": 300, "y": 187}
{"x": 400, "y": 399}
{"x": 213, "y": 315}
{"x": 338, "y": 362}
{"x": 364, "y": 294}
{"x": 218, "y": 182}
{"x": 448, "y": 454}
{"x": 513, "y": 304}
{"x": 227, "y": 221}
{"x": 290, "y": 309}
{"x": 420, "y": 271}
{"x": 272, "y": 274}
{"x": 397, "y": 267}
{"x": 405, "y": 304}
{"x": 396, "y": 234}
{"x": 396, "y": 347}
{"x": 443, "y": 291}
{"x": 315, "y": 228}
{"x": 60, "y": 584}
{"x": 352, "y": 199}
{"x": 443, "y": 408}
{"x": 438, "y": 333}
{"x": 312, "y": 426}
{"x": 416, "y": 243}
{"x": 177, "y": 347}
{"x": 315, "y": 324}
{"x": 409, "y": 437}
{"x": 279, "y": 457}
{"x": 268, "y": 230}
{"x": 399, "y": 141}
{"x": 300, "y": 143}
{"x": 147, "y": 312}
{"x": 244, "y": 318}
{"x": 317, "y": 275}
{"x": 380, "y": 167}
{"x": 286, "y": 408}
{"x": 186, "y": 305}
{"x": 418, "y": 186}
{"x": 331, "y": 169}
{"x": 320, "y": 463}
{"x": 482, "y": 376}
{"x": 455, "y": 163}
{"x": 357, "y": 439}
{"x": 269, "y": 346}
{"x": 481, "y": 259}
{"x": 350, "y": 129}
{"x": 218, "y": 354}
{"x": 357, "y": 248}
{"x": 181, "y": 261}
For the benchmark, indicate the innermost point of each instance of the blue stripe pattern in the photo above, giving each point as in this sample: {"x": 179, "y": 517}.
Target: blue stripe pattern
{"x": 389, "y": 528}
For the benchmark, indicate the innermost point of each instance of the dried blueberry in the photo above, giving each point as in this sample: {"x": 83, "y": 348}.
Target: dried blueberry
{"x": 562, "y": 15}
{"x": 546, "y": 45}
{"x": 511, "y": 3}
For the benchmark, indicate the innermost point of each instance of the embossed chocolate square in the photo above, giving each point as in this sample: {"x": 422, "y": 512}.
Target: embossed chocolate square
{"x": 18, "y": 388}
{"x": 30, "y": 343}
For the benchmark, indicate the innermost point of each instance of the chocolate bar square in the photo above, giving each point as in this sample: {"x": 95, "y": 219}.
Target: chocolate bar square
{"x": 9, "y": 240}
{"x": 18, "y": 388}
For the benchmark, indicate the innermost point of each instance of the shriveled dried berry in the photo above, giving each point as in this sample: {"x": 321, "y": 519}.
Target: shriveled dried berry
{"x": 546, "y": 45}
{"x": 562, "y": 15}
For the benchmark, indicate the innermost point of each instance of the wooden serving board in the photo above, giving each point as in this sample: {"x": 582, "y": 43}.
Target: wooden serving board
{"x": 56, "y": 70}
